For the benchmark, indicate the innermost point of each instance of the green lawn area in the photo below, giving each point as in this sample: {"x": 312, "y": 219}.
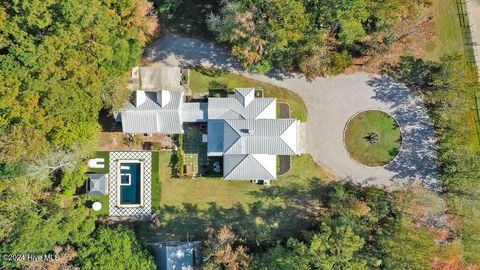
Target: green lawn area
{"x": 176, "y": 192}
{"x": 200, "y": 192}
{"x": 447, "y": 30}
{"x": 188, "y": 206}
{"x": 156, "y": 186}
{"x": 384, "y": 149}
{"x": 205, "y": 80}
{"x": 99, "y": 198}
{"x": 303, "y": 169}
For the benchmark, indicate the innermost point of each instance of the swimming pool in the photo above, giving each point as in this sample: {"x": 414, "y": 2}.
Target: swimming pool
{"x": 130, "y": 183}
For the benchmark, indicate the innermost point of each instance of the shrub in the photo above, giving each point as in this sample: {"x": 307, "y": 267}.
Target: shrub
{"x": 167, "y": 7}
{"x": 339, "y": 62}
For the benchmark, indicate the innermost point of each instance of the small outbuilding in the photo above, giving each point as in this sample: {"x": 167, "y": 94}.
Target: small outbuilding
{"x": 97, "y": 184}
{"x": 175, "y": 255}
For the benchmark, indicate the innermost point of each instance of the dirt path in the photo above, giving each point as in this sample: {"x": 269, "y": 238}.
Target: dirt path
{"x": 330, "y": 103}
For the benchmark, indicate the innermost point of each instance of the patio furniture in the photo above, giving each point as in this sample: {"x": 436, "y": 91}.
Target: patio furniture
{"x": 216, "y": 167}
{"x": 96, "y": 163}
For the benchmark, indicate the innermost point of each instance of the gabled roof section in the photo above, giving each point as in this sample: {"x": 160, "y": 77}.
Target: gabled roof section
{"x": 263, "y": 136}
{"x": 144, "y": 121}
{"x": 243, "y": 106}
{"x": 249, "y": 167}
{"x": 159, "y": 112}
{"x": 245, "y": 95}
{"x": 194, "y": 112}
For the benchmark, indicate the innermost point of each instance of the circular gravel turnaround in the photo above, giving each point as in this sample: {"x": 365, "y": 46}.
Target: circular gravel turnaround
{"x": 331, "y": 101}
{"x": 373, "y": 138}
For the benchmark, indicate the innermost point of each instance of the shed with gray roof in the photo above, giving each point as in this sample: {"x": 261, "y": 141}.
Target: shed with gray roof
{"x": 97, "y": 184}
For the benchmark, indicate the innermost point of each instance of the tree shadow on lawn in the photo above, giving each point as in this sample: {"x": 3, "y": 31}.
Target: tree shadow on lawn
{"x": 280, "y": 212}
{"x": 417, "y": 159}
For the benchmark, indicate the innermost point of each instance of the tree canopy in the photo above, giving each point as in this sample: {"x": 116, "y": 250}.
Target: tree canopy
{"x": 312, "y": 36}
{"x": 114, "y": 249}
{"x": 56, "y": 58}
{"x": 62, "y": 61}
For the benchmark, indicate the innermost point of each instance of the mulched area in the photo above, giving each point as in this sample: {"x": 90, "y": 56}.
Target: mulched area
{"x": 284, "y": 165}
{"x": 284, "y": 110}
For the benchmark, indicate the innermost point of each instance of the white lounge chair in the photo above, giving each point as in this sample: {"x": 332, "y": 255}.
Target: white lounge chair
{"x": 96, "y": 163}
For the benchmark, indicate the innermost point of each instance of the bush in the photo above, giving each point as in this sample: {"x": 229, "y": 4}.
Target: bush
{"x": 10, "y": 170}
{"x": 261, "y": 68}
{"x": 114, "y": 249}
{"x": 339, "y": 62}
{"x": 167, "y": 7}
{"x": 180, "y": 141}
{"x": 157, "y": 146}
{"x": 177, "y": 161}
{"x": 181, "y": 163}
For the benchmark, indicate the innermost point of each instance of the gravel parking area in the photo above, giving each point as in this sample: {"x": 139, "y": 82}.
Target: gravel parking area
{"x": 331, "y": 102}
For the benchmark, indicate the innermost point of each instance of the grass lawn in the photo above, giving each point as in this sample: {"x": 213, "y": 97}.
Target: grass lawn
{"x": 98, "y": 198}
{"x": 156, "y": 186}
{"x": 205, "y": 80}
{"x": 200, "y": 192}
{"x": 447, "y": 30}
{"x": 175, "y": 192}
{"x": 365, "y": 152}
{"x": 188, "y": 207}
{"x": 303, "y": 169}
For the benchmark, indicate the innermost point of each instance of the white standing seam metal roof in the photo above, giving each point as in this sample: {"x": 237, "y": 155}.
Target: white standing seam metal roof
{"x": 194, "y": 112}
{"x": 157, "y": 78}
{"x": 151, "y": 117}
{"x": 243, "y": 106}
{"x": 251, "y": 167}
{"x": 262, "y": 136}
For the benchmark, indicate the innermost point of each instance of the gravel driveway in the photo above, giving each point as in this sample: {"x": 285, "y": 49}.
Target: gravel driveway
{"x": 330, "y": 103}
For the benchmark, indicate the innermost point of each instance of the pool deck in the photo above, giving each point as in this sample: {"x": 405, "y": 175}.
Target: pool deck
{"x": 113, "y": 181}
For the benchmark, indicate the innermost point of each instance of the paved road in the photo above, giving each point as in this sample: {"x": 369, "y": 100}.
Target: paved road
{"x": 330, "y": 103}
{"x": 473, "y": 9}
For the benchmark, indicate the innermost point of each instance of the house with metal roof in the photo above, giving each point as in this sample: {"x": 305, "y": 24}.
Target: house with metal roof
{"x": 152, "y": 112}
{"x": 249, "y": 147}
{"x": 245, "y": 132}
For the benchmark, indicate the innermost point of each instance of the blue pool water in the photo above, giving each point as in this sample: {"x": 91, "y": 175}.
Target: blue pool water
{"x": 130, "y": 183}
